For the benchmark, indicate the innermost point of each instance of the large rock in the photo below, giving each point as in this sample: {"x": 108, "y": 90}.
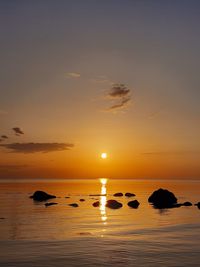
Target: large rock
{"x": 163, "y": 198}
{"x": 198, "y": 205}
{"x": 113, "y": 204}
{"x": 118, "y": 195}
{"x": 133, "y": 204}
{"x": 129, "y": 195}
{"x": 41, "y": 196}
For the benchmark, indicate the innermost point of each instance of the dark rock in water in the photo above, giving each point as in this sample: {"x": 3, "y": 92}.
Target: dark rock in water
{"x": 96, "y": 204}
{"x": 50, "y": 204}
{"x": 187, "y": 204}
{"x": 133, "y": 204}
{"x": 67, "y": 197}
{"x": 118, "y": 195}
{"x": 129, "y": 195}
{"x": 2, "y": 218}
{"x": 198, "y": 205}
{"x": 75, "y": 205}
{"x": 113, "y": 204}
{"x": 82, "y": 199}
{"x": 41, "y": 196}
{"x": 163, "y": 198}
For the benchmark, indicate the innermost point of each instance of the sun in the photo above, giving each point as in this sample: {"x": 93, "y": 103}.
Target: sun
{"x": 104, "y": 155}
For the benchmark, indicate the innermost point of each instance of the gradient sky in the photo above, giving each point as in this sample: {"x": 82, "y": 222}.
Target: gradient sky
{"x": 60, "y": 61}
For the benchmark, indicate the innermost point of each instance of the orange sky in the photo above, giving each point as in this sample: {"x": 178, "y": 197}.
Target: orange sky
{"x": 80, "y": 79}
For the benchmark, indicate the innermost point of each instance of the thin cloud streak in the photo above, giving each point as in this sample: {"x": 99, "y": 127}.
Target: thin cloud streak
{"x": 27, "y": 148}
{"x": 171, "y": 153}
{"x": 73, "y": 75}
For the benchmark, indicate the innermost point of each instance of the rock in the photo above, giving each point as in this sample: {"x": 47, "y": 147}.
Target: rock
{"x": 50, "y": 204}
{"x": 113, "y": 204}
{"x": 82, "y": 199}
{"x": 133, "y": 204}
{"x": 118, "y": 195}
{"x": 96, "y": 204}
{"x": 163, "y": 198}
{"x": 187, "y": 204}
{"x": 198, "y": 205}
{"x": 75, "y": 205}
{"x": 129, "y": 195}
{"x": 67, "y": 197}
{"x": 2, "y": 218}
{"x": 41, "y": 196}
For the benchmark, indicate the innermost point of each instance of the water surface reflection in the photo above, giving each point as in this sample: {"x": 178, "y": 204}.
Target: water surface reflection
{"x": 103, "y": 199}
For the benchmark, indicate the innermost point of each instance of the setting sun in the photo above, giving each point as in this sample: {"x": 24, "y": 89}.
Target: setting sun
{"x": 104, "y": 155}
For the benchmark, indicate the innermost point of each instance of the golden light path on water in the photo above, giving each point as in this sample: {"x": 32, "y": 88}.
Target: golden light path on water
{"x": 103, "y": 199}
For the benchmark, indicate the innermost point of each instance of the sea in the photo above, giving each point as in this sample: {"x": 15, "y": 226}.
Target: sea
{"x": 32, "y": 234}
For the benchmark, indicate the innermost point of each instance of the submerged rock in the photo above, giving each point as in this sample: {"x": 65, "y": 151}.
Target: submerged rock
{"x": 118, "y": 194}
{"x": 96, "y": 204}
{"x": 41, "y": 196}
{"x": 113, "y": 204}
{"x": 163, "y": 198}
{"x": 198, "y": 205}
{"x": 133, "y": 204}
{"x": 129, "y": 195}
{"x": 50, "y": 204}
{"x": 82, "y": 199}
{"x": 67, "y": 197}
{"x": 75, "y": 205}
{"x": 97, "y": 195}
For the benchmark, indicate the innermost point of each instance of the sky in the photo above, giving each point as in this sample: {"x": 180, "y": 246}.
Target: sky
{"x": 83, "y": 77}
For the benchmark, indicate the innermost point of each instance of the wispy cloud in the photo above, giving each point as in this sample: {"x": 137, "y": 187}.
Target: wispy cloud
{"x": 120, "y": 96}
{"x": 3, "y": 112}
{"x": 17, "y": 131}
{"x": 73, "y": 75}
{"x": 101, "y": 79}
{"x": 121, "y": 105}
{"x": 37, "y": 147}
{"x": 118, "y": 91}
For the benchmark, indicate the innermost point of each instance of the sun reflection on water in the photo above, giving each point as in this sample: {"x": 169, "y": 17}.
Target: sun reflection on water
{"x": 103, "y": 199}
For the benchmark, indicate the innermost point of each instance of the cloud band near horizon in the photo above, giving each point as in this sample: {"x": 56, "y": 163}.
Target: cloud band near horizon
{"x": 27, "y": 148}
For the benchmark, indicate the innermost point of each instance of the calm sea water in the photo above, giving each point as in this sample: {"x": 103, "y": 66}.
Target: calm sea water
{"x": 34, "y": 235}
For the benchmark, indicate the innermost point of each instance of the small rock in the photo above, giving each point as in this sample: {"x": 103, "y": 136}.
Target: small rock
{"x": 133, "y": 204}
{"x": 96, "y": 204}
{"x": 75, "y": 205}
{"x": 113, "y": 204}
{"x": 198, "y": 205}
{"x": 67, "y": 197}
{"x": 2, "y": 218}
{"x": 129, "y": 195}
{"x": 118, "y": 195}
{"x": 187, "y": 204}
{"x": 41, "y": 196}
{"x": 50, "y": 204}
{"x": 82, "y": 199}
